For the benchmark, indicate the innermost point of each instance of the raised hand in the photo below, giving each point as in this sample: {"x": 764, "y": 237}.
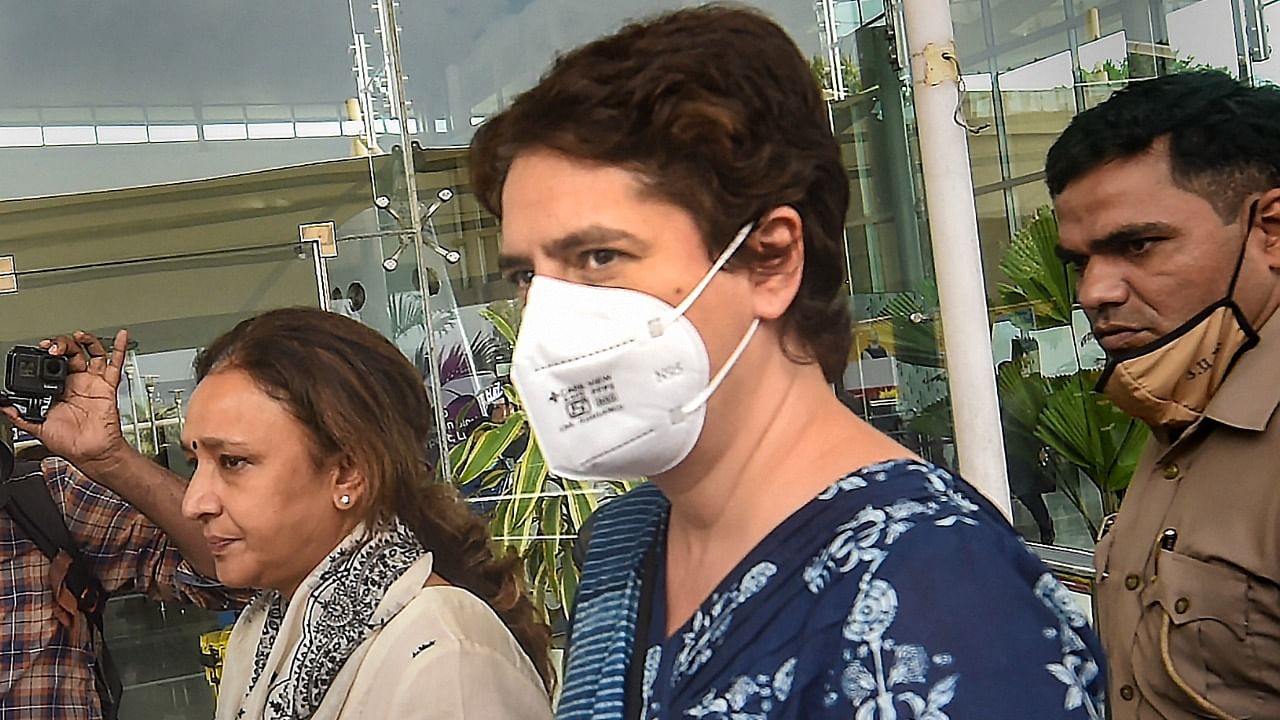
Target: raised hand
{"x": 84, "y": 426}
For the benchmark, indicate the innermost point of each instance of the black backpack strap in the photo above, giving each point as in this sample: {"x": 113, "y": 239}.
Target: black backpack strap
{"x": 26, "y": 497}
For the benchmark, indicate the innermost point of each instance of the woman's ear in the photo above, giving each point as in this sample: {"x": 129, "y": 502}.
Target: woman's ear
{"x": 777, "y": 244}
{"x": 349, "y": 485}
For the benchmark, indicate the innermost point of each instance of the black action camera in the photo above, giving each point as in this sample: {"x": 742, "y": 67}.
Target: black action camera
{"x": 33, "y": 379}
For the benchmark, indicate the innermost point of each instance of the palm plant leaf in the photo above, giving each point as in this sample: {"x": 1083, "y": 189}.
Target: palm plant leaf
{"x": 405, "y": 309}
{"x": 484, "y": 446}
{"x": 1037, "y": 276}
{"x": 551, "y": 527}
{"x": 915, "y": 336}
{"x": 520, "y": 516}
{"x": 581, "y": 499}
{"x": 500, "y": 323}
{"x": 569, "y": 575}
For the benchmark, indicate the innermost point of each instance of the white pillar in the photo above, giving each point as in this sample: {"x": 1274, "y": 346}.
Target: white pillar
{"x": 957, "y": 258}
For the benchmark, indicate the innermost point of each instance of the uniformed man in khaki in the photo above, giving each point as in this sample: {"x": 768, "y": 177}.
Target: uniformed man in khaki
{"x": 1168, "y": 202}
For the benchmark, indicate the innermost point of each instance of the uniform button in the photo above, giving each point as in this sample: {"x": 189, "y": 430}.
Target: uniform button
{"x": 1181, "y": 605}
{"x": 1171, "y": 471}
{"x": 1132, "y": 581}
{"x": 1126, "y": 692}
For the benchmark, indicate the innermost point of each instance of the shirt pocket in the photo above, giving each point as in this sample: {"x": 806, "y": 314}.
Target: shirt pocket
{"x": 1198, "y": 647}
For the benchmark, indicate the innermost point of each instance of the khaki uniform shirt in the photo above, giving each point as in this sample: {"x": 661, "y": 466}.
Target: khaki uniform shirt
{"x": 1188, "y": 575}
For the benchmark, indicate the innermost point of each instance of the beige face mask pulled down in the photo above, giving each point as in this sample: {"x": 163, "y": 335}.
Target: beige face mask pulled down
{"x": 1168, "y": 384}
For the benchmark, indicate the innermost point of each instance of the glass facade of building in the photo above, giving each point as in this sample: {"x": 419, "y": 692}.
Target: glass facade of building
{"x": 159, "y": 160}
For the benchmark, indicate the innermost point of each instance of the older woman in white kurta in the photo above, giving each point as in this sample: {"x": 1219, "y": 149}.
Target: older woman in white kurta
{"x": 381, "y": 597}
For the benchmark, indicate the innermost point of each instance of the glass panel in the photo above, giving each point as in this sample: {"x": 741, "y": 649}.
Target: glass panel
{"x": 894, "y": 377}
{"x": 1038, "y": 104}
{"x": 467, "y": 61}
{"x": 176, "y": 76}
{"x": 1029, "y": 199}
{"x": 993, "y": 234}
{"x": 984, "y": 148}
{"x": 1036, "y": 345}
{"x": 171, "y": 306}
{"x": 1027, "y": 30}
{"x": 157, "y": 650}
{"x": 1203, "y": 34}
{"x": 1102, "y": 67}
{"x": 1095, "y": 18}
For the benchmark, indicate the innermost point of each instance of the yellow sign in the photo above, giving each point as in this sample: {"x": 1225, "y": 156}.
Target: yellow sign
{"x": 324, "y": 234}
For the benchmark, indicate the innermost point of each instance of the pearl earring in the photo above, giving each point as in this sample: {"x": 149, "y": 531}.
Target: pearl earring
{"x": 344, "y": 501}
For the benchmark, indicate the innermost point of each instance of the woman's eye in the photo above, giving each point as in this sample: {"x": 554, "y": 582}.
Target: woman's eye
{"x": 599, "y": 258}
{"x": 232, "y": 462}
{"x": 1138, "y": 246}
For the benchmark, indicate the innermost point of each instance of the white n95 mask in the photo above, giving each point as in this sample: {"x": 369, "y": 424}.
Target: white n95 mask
{"x": 614, "y": 381}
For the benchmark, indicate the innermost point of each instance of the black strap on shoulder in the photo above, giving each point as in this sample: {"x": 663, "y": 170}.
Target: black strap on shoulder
{"x": 26, "y": 498}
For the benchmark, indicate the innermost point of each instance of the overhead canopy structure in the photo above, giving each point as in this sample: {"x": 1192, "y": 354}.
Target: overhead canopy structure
{"x": 175, "y": 263}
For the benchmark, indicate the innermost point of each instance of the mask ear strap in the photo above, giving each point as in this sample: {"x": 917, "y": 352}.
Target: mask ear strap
{"x": 1248, "y": 230}
{"x": 659, "y": 325}
{"x": 698, "y": 401}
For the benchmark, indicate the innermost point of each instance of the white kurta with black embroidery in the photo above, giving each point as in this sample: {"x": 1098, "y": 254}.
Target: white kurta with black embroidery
{"x": 363, "y": 637}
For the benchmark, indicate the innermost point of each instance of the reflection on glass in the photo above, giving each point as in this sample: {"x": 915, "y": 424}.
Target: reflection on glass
{"x": 1029, "y": 199}
{"x": 96, "y": 87}
{"x": 993, "y": 234}
{"x": 1103, "y": 68}
{"x": 1203, "y": 34}
{"x": 468, "y": 60}
{"x": 1038, "y": 103}
{"x": 984, "y": 148}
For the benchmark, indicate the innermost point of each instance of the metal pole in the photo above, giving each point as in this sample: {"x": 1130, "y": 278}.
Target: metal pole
{"x": 953, "y": 228}
{"x": 149, "y": 386}
{"x": 395, "y": 83}
{"x": 129, "y": 372}
{"x": 177, "y": 405}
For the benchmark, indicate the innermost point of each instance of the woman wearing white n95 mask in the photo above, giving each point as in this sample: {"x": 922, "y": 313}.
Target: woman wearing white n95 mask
{"x": 672, "y": 202}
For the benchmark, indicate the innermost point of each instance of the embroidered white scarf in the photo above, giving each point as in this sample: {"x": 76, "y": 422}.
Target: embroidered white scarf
{"x": 298, "y": 660}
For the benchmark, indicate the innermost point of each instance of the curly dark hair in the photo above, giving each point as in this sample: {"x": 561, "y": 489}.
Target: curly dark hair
{"x": 359, "y": 399}
{"x": 1223, "y": 136}
{"x": 718, "y": 112}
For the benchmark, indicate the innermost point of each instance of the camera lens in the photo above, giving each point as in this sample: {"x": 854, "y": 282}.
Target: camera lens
{"x": 54, "y": 368}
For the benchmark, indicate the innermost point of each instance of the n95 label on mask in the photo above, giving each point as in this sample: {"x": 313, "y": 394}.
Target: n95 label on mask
{"x": 584, "y": 402}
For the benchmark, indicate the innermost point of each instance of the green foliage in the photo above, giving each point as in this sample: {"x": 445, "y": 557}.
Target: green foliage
{"x": 1037, "y": 277}
{"x": 915, "y": 334}
{"x": 1079, "y": 427}
{"x": 1074, "y": 422}
{"x": 536, "y": 514}
{"x": 1122, "y": 71}
{"x": 849, "y": 72}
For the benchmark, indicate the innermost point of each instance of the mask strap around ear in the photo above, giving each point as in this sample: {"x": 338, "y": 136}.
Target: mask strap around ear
{"x": 1248, "y": 230}
{"x": 701, "y": 398}
{"x": 659, "y": 325}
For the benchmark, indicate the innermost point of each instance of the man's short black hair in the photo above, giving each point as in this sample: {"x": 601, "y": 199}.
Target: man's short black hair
{"x": 1223, "y": 136}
